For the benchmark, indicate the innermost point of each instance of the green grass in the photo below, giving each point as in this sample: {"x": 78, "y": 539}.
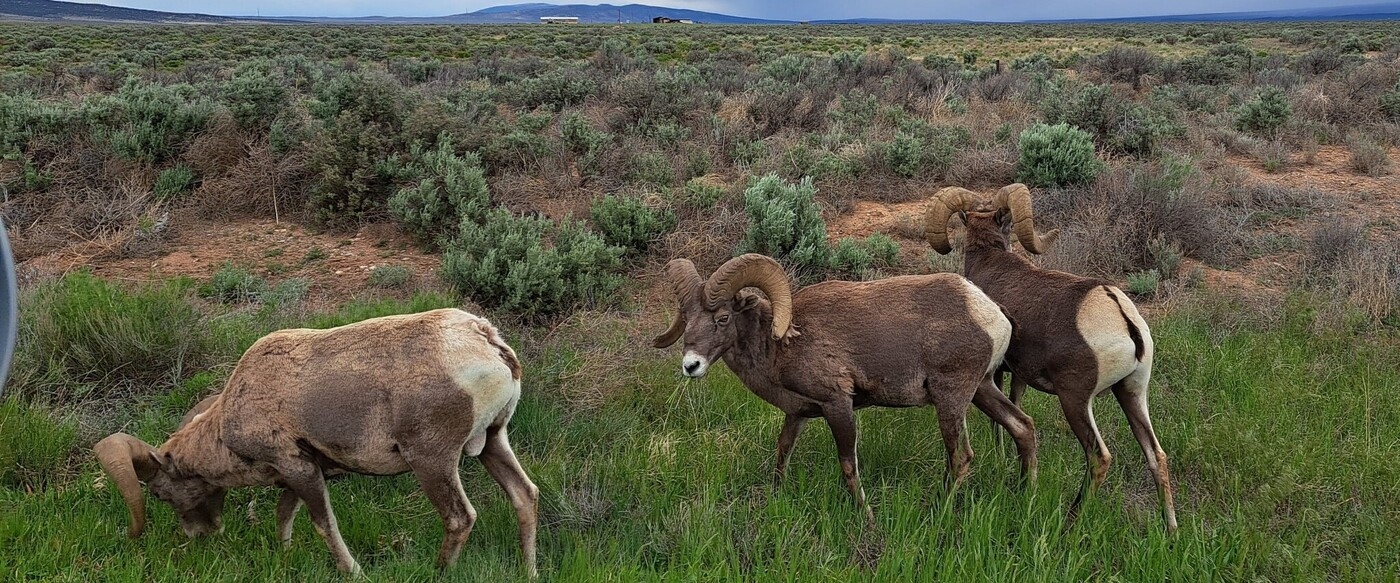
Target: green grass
{"x": 1282, "y": 445}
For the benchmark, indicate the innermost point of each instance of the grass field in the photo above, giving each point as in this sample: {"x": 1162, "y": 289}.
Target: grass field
{"x": 1282, "y": 446}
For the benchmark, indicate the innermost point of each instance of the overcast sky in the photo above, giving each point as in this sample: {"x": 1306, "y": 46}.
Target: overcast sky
{"x": 1002, "y": 10}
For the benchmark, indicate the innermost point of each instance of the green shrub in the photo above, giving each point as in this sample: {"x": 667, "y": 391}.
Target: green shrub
{"x": 450, "y": 187}
{"x": 83, "y": 336}
{"x": 173, "y": 181}
{"x": 148, "y": 122}
{"x": 37, "y": 444}
{"x": 627, "y": 221}
{"x": 390, "y": 276}
{"x": 1117, "y": 124}
{"x": 785, "y": 223}
{"x": 702, "y": 194}
{"x": 652, "y": 168}
{"x": 254, "y": 96}
{"x": 1390, "y": 103}
{"x": 883, "y": 250}
{"x": 903, "y": 155}
{"x": 1143, "y": 283}
{"x": 1056, "y": 155}
{"x": 505, "y": 263}
{"x": 850, "y": 258}
{"x": 1265, "y": 114}
{"x": 357, "y": 170}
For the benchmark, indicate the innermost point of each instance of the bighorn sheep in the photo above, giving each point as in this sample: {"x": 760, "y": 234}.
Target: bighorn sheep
{"x": 383, "y": 396}
{"x": 1075, "y": 336}
{"x": 898, "y": 342}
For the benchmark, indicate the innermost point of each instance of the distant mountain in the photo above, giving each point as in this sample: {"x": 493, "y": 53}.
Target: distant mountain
{"x": 53, "y": 11}
{"x": 586, "y": 13}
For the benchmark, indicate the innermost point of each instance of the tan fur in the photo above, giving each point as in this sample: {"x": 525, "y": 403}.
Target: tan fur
{"x": 382, "y": 396}
{"x": 1104, "y": 330}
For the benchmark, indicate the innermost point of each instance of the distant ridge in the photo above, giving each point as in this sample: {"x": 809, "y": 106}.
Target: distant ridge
{"x": 53, "y": 11}
{"x": 58, "y": 11}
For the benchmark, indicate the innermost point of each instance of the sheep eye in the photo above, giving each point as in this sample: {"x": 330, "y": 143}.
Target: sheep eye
{"x": 722, "y": 319}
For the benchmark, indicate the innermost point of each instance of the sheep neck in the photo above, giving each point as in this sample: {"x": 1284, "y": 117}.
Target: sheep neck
{"x": 199, "y": 450}
{"x": 754, "y": 357}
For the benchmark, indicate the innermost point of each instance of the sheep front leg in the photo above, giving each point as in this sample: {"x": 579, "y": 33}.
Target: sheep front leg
{"x": 500, "y": 462}
{"x": 1001, "y": 411}
{"x": 792, "y": 426}
{"x": 309, "y": 485}
{"x": 841, "y": 418}
{"x": 286, "y": 513}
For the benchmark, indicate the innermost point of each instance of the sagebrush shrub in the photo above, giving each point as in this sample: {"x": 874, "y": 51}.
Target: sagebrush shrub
{"x": 1265, "y": 114}
{"x": 172, "y": 182}
{"x": 1056, "y": 155}
{"x": 390, "y": 276}
{"x": 505, "y": 262}
{"x": 627, "y": 221}
{"x": 450, "y": 187}
{"x": 1368, "y": 155}
{"x": 785, "y": 223}
{"x": 148, "y": 122}
{"x": 254, "y": 96}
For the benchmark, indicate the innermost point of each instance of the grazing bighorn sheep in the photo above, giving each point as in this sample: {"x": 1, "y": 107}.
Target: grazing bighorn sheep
{"x": 898, "y": 342}
{"x": 383, "y": 396}
{"x": 1075, "y": 336}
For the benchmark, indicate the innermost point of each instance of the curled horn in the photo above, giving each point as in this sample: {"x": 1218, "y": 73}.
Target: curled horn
{"x": 945, "y": 202}
{"x": 1017, "y": 199}
{"x": 753, "y": 270}
{"x": 684, "y": 280}
{"x": 128, "y": 461}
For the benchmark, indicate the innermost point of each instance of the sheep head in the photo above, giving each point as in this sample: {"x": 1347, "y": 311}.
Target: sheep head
{"x": 715, "y": 312}
{"x": 128, "y": 461}
{"x": 989, "y": 223}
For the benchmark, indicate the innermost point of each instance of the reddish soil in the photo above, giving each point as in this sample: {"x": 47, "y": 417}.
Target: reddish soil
{"x": 338, "y": 268}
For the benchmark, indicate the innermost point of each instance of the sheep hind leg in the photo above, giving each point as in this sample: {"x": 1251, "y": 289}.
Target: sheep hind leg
{"x": 841, "y": 418}
{"x": 1080, "y": 415}
{"x": 286, "y": 513}
{"x": 437, "y": 476}
{"x": 501, "y": 463}
{"x": 1133, "y": 400}
{"x": 1001, "y": 411}
{"x": 310, "y": 485}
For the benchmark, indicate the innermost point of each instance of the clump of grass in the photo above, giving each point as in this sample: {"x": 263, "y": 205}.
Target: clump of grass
{"x": 1144, "y": 283}
{"x": 390, "y": 276}
{"x": 314, "y": 254}
{"x": 1368, "y": 155}
{"x": 82, "y": 336}
{"x": 233, "y": 284}
{"x": 37, "y": 444}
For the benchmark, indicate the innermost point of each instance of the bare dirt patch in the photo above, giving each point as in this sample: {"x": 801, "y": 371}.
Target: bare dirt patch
{"x": 337, "y": 264}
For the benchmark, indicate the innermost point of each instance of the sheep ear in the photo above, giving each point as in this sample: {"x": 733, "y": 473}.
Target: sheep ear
{"x": 962, "y": 216}
{"x": 746, "y": 301}
{"x": 162, "y": 462}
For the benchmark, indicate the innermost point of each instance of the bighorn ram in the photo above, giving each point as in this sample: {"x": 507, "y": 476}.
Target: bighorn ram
{"x": 383, "y": 396}
{"x": 898, "y": 342}
{"x": 1075, "y": 336}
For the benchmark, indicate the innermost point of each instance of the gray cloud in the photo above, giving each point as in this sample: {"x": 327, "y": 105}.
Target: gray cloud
{"x": 1004, "y": 10}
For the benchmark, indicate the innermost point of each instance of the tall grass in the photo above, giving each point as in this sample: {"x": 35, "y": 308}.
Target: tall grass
{"x": 1282, "y": 446}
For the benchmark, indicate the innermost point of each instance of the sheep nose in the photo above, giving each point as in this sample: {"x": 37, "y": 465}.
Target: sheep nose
{"x": 691, "y": 367}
